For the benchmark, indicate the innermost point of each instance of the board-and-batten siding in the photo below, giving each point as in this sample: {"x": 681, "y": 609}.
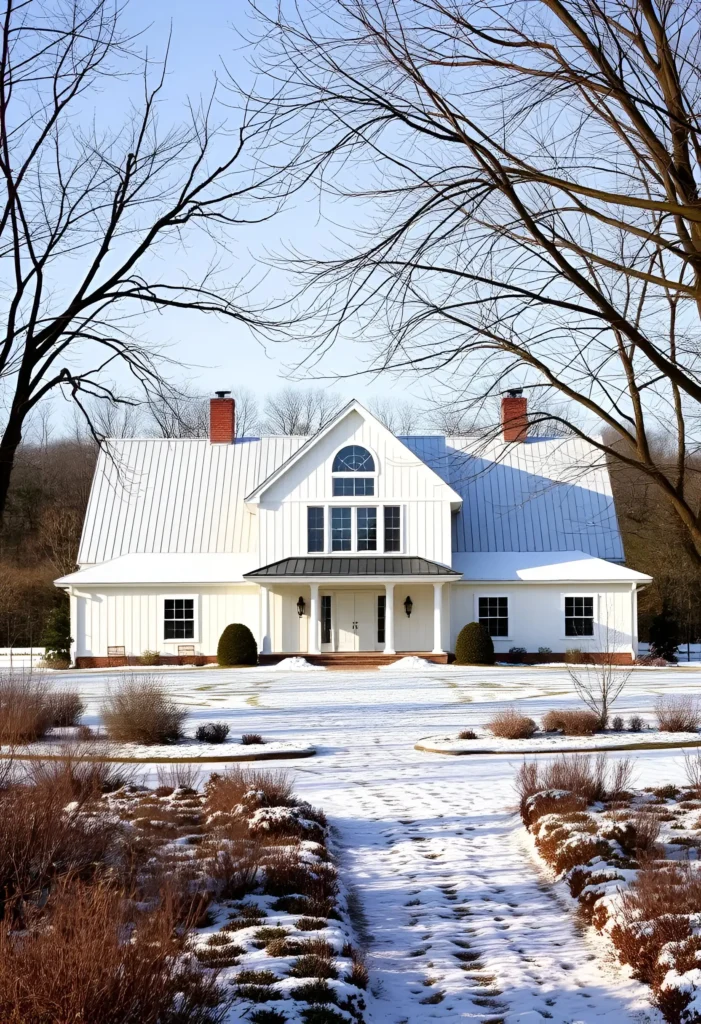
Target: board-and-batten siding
{"x": 402, "y": 479}
{"x": 177, "y": 496}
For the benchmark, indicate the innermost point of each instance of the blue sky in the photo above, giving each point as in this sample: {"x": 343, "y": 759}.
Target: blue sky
{"x": 219, "y": 355}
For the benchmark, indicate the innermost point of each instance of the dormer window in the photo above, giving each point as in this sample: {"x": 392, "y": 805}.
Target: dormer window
{"x": 349, "y": 461}
{"x": 353, "y": 459}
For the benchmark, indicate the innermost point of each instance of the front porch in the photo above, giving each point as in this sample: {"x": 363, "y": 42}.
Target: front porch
{"x": 334, "y": 610}
{"x": 360, "y": 660}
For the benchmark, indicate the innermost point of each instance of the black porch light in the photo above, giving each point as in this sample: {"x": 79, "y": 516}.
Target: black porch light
{"x": 301, "y": 605}
{"x": 408, "y": 605}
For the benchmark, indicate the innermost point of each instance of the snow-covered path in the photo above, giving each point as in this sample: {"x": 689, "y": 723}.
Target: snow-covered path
{"x": 458, "y": 922}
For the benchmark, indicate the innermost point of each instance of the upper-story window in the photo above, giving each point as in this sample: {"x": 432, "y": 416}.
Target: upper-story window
{"x": 351, "y": 460}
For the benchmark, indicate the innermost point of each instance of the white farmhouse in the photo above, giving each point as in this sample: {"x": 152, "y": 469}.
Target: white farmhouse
{"x": 353, "y": 545}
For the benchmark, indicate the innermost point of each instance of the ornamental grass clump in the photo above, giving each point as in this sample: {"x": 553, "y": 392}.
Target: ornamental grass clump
{"x": 578, "y": 722}
{"x": 25, "y": 708}
{"x": 237, "y": 646}
{"x": 678, "y": 714}
{"x": 141, "y": 711}
{"x": 474, "y": 645}
{"x": 509, "y": 724}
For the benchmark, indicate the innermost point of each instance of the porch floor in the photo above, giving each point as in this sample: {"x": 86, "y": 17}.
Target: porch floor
{"x": 355, "y": 659}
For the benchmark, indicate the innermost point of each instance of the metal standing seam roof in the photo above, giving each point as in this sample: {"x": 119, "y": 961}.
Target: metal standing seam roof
{"x": 339, "y": 566}
{"x": 177, "y": 496}
{"x": 547, "y": 494}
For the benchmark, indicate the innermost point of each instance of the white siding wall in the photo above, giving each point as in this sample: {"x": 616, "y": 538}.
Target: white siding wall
{"x": 537, "y": 616}
{"x": 133, "y": 619}
{"x": 402, "y": 480}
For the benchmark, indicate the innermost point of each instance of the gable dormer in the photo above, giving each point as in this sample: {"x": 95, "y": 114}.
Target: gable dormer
{"x": 354, "y": 488}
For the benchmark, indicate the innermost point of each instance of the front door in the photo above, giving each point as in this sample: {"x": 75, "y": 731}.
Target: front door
{"x": 355, "y": 620}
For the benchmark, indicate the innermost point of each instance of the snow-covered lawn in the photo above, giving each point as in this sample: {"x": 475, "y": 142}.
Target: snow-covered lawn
{"x": 458, "y": 920}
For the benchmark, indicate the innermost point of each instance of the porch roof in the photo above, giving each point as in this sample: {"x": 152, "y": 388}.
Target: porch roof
{"x": 337, "y": 566}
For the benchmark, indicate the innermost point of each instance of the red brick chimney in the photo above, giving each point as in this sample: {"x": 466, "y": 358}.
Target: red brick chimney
{"x": 514, "y": 416}
{"x": 222, "y": 419}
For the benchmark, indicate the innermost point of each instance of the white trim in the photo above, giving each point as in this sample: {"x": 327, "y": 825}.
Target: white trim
{"x": 196, "y": 637}
{"x": 596, "y": 625}
{"x": 352, "y": 406}
{"x": 476, "y": 611}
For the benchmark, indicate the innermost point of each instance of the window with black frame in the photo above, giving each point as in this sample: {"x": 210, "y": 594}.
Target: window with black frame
{"x": 179, "y": 618}
{"x": 381, "y": 618}
{"x": 326, "y": 618}
{"x": 340, "y": 529}
{"x": 579, "y": 616}
{"x": 393, "y": 532}
{"x": 494, "y": 615}
{"x": 367, "y": 529}
{"x": 315, "y": 529}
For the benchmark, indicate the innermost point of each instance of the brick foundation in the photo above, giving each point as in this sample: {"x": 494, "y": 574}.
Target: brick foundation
{"x": 166, "y": 659}
{"x": 593, "y": 658}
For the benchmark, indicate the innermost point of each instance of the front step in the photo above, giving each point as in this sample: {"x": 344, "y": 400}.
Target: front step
{"x": 353, "y": 660}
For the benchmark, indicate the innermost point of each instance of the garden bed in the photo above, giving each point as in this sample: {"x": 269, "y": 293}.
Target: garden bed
{"x": 631, "y": 861}
{"x": 485, "y": 743}
{"x": 234, "y": 881}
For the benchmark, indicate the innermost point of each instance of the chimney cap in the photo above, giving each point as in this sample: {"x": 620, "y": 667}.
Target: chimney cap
{"x": 222, "y": 394}
{"x": 515, "y": 392}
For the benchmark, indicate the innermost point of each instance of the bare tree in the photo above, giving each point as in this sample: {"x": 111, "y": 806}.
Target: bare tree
{"x": 88, "y": 212}
{"x": 180, "y": 413}
{"x": 397, "y": 414}
{"x": 531, "y": 174}
{"x": 300, "y": 411}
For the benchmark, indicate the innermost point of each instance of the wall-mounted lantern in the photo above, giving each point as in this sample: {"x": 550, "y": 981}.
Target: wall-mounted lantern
{"x": 301, "y": 605}
{"x": 408, "y": 605}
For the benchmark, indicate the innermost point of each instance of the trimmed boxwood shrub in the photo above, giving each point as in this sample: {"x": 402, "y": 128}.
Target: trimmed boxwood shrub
{"x": 237, "y": 646}
{"x": 474, "y": 645}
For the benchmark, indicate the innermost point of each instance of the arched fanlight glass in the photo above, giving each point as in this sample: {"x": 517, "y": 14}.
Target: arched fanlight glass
{"x": 353, "y": 459}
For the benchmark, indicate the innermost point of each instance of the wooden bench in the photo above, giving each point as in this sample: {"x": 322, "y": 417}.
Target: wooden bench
{"x": 117, "y": 655}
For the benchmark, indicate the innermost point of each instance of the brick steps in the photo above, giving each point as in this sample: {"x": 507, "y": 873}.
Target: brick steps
{"x": 354, "y": 660}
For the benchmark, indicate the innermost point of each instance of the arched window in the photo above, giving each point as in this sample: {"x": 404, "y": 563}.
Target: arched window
{"x": 353, "y": 459}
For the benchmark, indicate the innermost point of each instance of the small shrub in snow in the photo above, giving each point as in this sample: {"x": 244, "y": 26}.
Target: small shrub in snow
{"x": 591, "y": 778}
{"x": 678, "y": 714}
{"x": 474, "y": 645}
{"x": 141, "y": 711}
{"x": 518, "y": 650}
{"x": 150, "y": 658}
{"x": 575, "y": 656}
{"x": 25, "y": 709}
{"x": 635, "y": 723}
{"x": 178, "y": 776}
{"x": 467, "y": 734}
{"x": 66, "y": 707}
{"x": 571, "y": 723}
{"x": 544, "y": 650}
{"x": 237, "y": 646}
{"x": 212, "y": 732}
{"x": 617, "y": 724}
{"x": 509, "y": 724}
{"x": 251, "y": 738}
{"x": 271, "y": 788}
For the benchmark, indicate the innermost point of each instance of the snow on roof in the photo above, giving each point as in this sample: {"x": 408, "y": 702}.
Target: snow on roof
{"x": 546, "y": 494}
{"x": 180, "y": 496}
{"x": 550, "y": 567}
{"x": 164, "y": 568}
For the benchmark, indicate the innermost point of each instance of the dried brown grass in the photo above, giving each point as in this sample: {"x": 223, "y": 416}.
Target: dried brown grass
{"x": 510, "y": 724}
{"x": 591, "y": 778}
{"x": 25, "y": 710}
{"x": 226, "y": 791}
{"x": 578, "y": 722}
{"x": 678, "y": 714}
{"x": 141, "y": 711}
{"x": 66, "y": 707}
{"x": 73, "y": 964}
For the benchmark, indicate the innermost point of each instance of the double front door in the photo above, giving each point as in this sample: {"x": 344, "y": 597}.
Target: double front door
{"x": 354, "y": 617}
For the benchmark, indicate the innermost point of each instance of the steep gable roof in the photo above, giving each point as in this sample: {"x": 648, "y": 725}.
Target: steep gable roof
{"x": 351, "y": 407}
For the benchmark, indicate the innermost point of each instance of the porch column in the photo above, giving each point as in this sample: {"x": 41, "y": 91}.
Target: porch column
{"x": 265, "y": 644}
{"x": 313, "y": 629}
{"x": 437, "y": 618}
{"x": 389, "y": 618}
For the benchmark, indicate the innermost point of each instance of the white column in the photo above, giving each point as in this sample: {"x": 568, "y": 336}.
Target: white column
{"x": 389, "y": 618}
{"x": 265, "y": 644}
{"x": 437, "y": 618}
{"x": 313, "y": 627}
